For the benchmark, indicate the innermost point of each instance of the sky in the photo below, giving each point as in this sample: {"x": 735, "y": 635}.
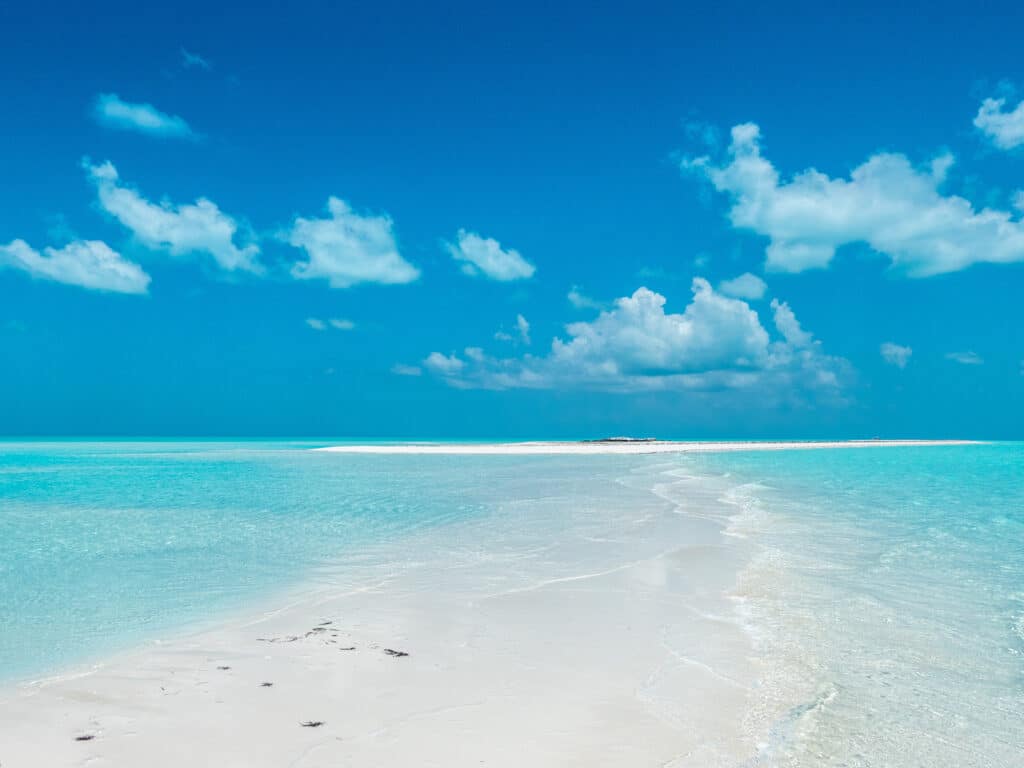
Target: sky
{"x": 523, "y": 220}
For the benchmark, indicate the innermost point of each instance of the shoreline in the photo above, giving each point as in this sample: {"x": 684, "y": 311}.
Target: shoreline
{"x": 624, "y": 447}
{"x": 442, "y": 661}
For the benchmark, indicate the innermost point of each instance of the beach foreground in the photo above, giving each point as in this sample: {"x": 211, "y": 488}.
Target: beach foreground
{"x": 607, "y": 639}
{"x": 798, "y": 608}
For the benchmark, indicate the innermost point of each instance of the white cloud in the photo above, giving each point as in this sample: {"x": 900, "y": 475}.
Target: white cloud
{"x": 965, "y": 358}
{"x": 112, "y": 111}
{"x": 485, "y": 256}
{"x": 86, "y": 263}
{"x": 191, "y": 60}
{"x": 190, "y": 228}
{"x": 581, "y": 301}
{"x": 887, "y": 203}
{"x": 1004, "y": 129}
{"x": 789, "y": 326}
{"x": 522, "y": 329}
{"x": 1018, "y": 200}
{"x": 746, "y": 286}
{"x": 523, "y": 326}
{"x": 717, "y": 343}
{"x": 349, "y": 248}
{"x": 446, "y": 365}
{"x": 894, "y": 354}
{"x": 336, "y": 323}
{"x": 400, "y": 369}
{"x": 637, "y": 336}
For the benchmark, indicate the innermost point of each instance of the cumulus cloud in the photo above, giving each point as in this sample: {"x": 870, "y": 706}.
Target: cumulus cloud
{"x": 190, "y": 228}
{"x": 1003, "y": 128}
{"x": 110, "y": 110}
{"x": 85, "y": 263}
{"x": 717, "y": 343}
{"x": 485, "y": 257}
{"x": 965, "y": 358}
{"x": 746, "y": 286}
{"x": 349, "y": 248}
{"x": 894, "y": 354}
{"x": 894, "y": 207}
{"x": 316, "y": 324}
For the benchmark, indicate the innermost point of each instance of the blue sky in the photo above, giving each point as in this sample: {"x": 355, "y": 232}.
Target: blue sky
{"x": 518, "y": 221}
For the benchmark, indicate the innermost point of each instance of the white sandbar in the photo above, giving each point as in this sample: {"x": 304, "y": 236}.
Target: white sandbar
{"x": 623, "y": 447}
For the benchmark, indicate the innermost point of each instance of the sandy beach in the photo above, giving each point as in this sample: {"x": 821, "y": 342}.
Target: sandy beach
{"x": 596, "y": 624}
{"x": 615, "y": 644}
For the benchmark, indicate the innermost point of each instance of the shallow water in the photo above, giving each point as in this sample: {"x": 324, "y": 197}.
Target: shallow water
{"x": 888, "y": 593}
{"x": 104, "y": 545}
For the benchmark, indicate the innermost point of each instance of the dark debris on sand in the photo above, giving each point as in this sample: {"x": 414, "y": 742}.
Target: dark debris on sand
{"x": 396, "y": 654}
{"x": 312, "y": 723}
{"x": 85, "y": 737}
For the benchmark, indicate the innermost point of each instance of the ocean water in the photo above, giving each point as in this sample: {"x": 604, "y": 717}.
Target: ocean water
{"x": 103, "y": 545}
{"x": 882, "y": 589}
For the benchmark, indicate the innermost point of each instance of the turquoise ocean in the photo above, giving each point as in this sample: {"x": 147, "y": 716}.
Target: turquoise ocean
{"x": 885, "y": 585}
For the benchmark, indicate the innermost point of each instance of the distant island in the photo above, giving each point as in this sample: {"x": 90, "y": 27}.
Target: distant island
{"x": 622, "y": 440}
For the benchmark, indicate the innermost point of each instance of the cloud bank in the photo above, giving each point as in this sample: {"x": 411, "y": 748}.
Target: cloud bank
{"x": 86, "y": 263}
{"x": 887, "y": 203}
{"x": 717, "y": 343}
{"x": 348, "y": 248}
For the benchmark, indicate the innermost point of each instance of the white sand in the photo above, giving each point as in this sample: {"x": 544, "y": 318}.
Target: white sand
{"x": 596, "y": 633}
{"x": 631, "y": 447}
